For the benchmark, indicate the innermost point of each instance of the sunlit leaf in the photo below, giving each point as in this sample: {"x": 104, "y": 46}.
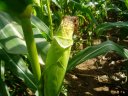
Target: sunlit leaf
{"x": 93, "y": 51}
{"x": 12, "y": 39}
{"x": 11, "y": 35}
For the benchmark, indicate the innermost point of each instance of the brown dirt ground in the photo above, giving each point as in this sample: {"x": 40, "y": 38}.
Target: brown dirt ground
{"x": 99, "y": 77}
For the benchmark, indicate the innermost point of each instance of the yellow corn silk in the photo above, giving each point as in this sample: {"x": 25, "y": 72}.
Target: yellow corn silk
{"x": 58, "y": 56}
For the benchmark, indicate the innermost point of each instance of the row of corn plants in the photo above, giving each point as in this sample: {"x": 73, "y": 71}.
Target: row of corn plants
{"x": 37, "y": 51}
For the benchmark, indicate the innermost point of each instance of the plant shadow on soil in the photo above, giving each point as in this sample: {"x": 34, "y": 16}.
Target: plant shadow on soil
{"x": 98, "y": 77}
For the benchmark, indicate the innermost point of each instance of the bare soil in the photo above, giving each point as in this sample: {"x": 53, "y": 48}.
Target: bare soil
{"x": 102, "y": 76}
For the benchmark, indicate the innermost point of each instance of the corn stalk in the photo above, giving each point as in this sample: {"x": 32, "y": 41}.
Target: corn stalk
{"x": 50, "y": 18}
{"x": 29, "y": 38}
{"x": 58, "y": 56}
{"x": 23, "y": 10}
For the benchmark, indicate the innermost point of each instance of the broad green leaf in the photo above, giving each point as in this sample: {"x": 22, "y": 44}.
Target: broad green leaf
{"x": 12, "y": 39}
{"x": 107, "y": 26}
{"x": 11, "y": 35}
{"x": 41, "y": 26}
{"x": 18, "y": 67}
{"x": 93, "y": 51}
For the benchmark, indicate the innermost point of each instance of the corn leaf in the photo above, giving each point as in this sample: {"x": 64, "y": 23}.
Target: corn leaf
{"x": 41, "y": 26}
{"x": 11, "y": 36}
{"x": 11, "y": 32}
{"x": 18, "y": 67}
{"x": 93, "y": 51}
{"x": 108, "y": 25}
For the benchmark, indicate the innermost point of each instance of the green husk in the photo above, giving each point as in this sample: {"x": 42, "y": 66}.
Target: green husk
{"x": 58, "y": 56}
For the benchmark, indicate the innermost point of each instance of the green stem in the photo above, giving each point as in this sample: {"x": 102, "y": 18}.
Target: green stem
{"x": 31, "y": 46}
{"x": 50, "y": 18}
{"x": 42, "y": 5}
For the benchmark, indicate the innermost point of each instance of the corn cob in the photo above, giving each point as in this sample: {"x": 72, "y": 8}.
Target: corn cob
{"x": 58, "y": 56}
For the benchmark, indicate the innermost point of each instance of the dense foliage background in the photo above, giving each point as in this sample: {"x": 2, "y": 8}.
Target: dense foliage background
{"x": 102, "y": 30}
